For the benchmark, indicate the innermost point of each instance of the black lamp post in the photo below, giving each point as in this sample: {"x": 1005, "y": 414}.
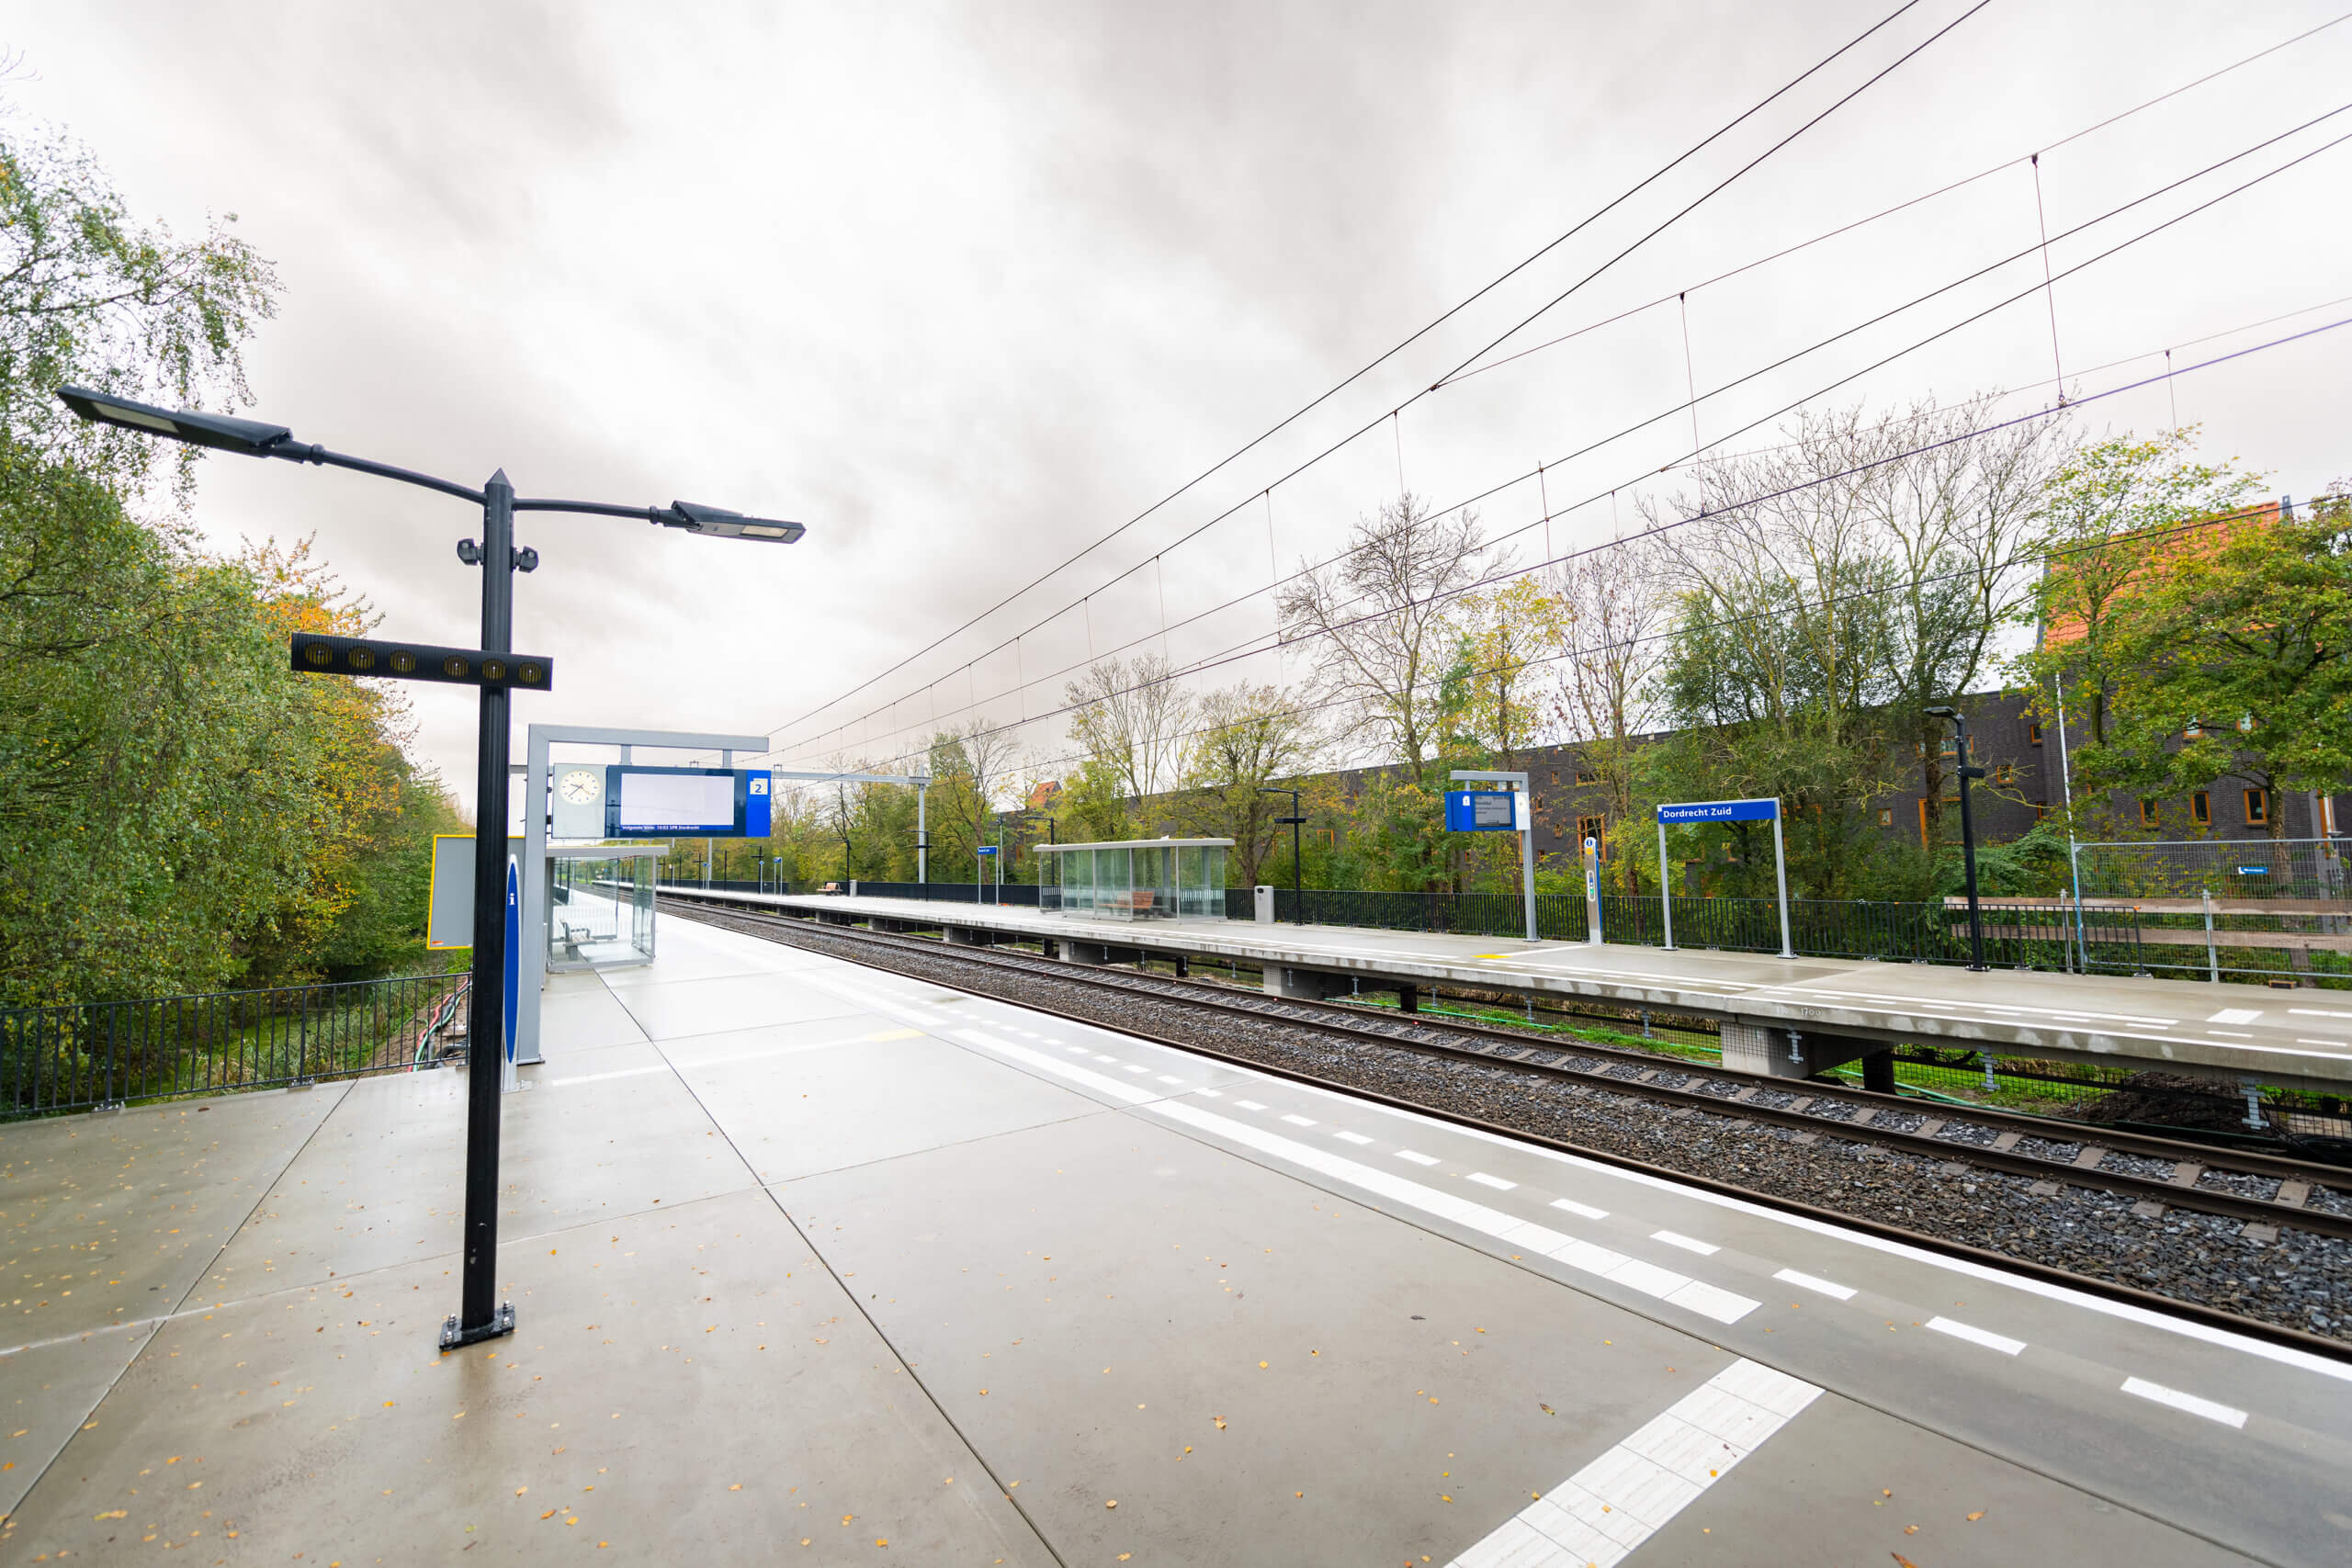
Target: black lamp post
{"x": 1969, "y": 772}
{"x": 480, "y": 1315}
{"x": 1297, "y": 867}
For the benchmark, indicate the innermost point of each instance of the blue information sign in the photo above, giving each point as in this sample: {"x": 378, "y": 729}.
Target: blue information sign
{"x": 988, "y": 849}
{"x": 1479, "y": 811}
{"x": 1720, "y": 811}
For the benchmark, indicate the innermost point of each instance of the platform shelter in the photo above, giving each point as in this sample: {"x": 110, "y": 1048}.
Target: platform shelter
{"x": 1135, "y": 879}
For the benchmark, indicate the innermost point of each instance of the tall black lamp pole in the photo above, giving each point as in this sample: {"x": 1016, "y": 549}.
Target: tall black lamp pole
{"x": 1297, "y": 867}
{"x": 1969, "y": 772}
{"x": 480, "y": 1315}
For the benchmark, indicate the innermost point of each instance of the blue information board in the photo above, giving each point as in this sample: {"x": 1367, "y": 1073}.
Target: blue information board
{"x": 988, "y": 849}
{"x": 1480, "y": 811}
{"x": 1719, "y": 811}
{"x": 698, "y": 803}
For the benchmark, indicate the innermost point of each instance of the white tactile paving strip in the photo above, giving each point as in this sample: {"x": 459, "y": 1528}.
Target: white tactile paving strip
{"x": 1599, "y": 1515}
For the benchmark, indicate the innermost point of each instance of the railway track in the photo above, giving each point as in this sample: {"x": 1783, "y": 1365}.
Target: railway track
{"x": 2249, "y": 1190}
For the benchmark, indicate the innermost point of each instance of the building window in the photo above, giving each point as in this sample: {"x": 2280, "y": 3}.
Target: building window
{"x": 2257, "y": 809}
{"x": 2147, "y": 812}
{"x": 1887, "y": 817}
{"x": 2033, "y": 735}
{"x": 1592, "y": 827}
{"x": 2005, "y": 774}
{"x": 2041, "y": 811}
{"x": 2200, "y": 809}
{"x": 1584, "y": 778}
{"x": 2194, "y": 731}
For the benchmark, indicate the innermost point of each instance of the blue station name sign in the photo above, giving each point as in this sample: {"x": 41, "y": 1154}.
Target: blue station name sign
{"x": 1719, "y": 811}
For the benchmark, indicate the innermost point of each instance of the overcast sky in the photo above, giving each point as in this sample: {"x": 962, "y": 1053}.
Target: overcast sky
{"x": 965, "y": 287}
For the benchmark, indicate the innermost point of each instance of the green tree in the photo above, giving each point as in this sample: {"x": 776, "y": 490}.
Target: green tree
{"x": 89, "y": 294}
{"x": 1251, "y": 737}
{"x": 2227, "y": 659}
{"x": 2105, "y": 517}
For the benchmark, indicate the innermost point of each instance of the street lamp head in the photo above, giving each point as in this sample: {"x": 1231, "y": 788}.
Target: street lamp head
{"x": 719, "y": 522}
{"x": 251, "y": 436}
{"x": 1943, "y": 713}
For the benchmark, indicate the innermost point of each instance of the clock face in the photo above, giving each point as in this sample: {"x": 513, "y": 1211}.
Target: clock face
{"x": 579, "y": 786}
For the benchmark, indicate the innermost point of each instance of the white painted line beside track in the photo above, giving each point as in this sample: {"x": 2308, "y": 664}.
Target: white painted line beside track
{"x": 1815, "y": 1283}
{"x": 1975, "y": 1336}
{"x": 2227, "y": 1415}
{"x": 1687, "y": 1243}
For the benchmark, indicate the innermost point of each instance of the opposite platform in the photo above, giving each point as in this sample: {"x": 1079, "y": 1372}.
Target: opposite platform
{"x": 806, "y": 1253}
{"x": 2297, "y": 1039}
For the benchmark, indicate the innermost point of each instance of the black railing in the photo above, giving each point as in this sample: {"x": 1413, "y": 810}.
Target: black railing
{"x": 1023, "y": 894}
{"x": 87, "y": 1055}
{"x": 2034, "y": 936}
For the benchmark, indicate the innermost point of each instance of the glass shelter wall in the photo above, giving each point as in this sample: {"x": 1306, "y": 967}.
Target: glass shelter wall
{"x": 1146, "y": 879}
{"x": 600, "y": 908}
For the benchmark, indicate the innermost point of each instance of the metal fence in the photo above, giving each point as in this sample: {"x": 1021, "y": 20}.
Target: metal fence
{"x": 86, "y": 1056}
{"x": 2030, "y": 936}
{"x": 1022, "y": 894}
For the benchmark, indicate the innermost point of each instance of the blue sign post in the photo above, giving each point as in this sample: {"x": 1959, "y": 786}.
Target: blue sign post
{"x": 514, "y": 965}
{"x": 1704, "y": 811}
{"x": 987, "y": 852}
{"x": 1502, "y": 811}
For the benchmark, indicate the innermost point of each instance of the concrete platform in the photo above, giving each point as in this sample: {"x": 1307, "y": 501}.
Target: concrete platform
{"x": 829, "y": 1257}
{"x": 2294, "y": 1038}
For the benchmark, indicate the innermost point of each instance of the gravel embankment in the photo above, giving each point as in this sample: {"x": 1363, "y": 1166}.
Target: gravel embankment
{"x": 2300, "y": 1281}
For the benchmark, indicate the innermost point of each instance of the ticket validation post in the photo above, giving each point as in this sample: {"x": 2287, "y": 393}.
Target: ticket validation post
{"x": 1701, "y": 811}
{"x": 1497, "y": 811}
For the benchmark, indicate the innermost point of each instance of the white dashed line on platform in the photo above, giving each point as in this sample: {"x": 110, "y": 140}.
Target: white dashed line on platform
{"x": 1975, "y": 1336}
{"x": 1351, "y": 1137}
{"x": 1687, "y": 1243}
{"x": 2235, "y": 1015}
{"x": 1170, "y": 1078}
{"x": 1135, "y": 1067}
{"x": 1613, "y": 1504}
{"x": 1573, "y": 1207}
{"x": 1497, "y": 1182}
{"x": 1249, "y": 1105}
{"x": 2228, "y": 1416}
{"x": 1418, "y": 1158}
{"x": 1106, "y": 1058}
{"x": 1813, "y": 1283}
{"x": 1299, "y": 1121}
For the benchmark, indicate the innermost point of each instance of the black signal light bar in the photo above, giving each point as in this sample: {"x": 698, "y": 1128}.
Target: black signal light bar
{"x": 314, "y": 654}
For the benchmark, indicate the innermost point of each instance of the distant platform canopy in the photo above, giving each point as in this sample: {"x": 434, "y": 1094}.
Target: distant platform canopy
{"x": 1137, "y": 879}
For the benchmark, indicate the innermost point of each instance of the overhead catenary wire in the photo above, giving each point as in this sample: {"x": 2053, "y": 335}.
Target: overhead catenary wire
{"x": 1456, "y": 310}
{"x": 1723, "y": 623}
{"x": 1886, "y": 213}
{"x": 1785, "y": 360}
{"x": 1730, "y": 507}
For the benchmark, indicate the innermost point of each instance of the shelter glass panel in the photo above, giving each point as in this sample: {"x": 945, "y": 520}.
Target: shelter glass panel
{"x": 600, "y": 911}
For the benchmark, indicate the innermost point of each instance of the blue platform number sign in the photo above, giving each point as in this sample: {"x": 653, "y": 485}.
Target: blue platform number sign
{"x": 757, "y": 801}
{"x": 988, "y": 849}
{"x": 1479, "y": 811}
{"x": 514, "y": 949}
{"x": 1719, "y": 811}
